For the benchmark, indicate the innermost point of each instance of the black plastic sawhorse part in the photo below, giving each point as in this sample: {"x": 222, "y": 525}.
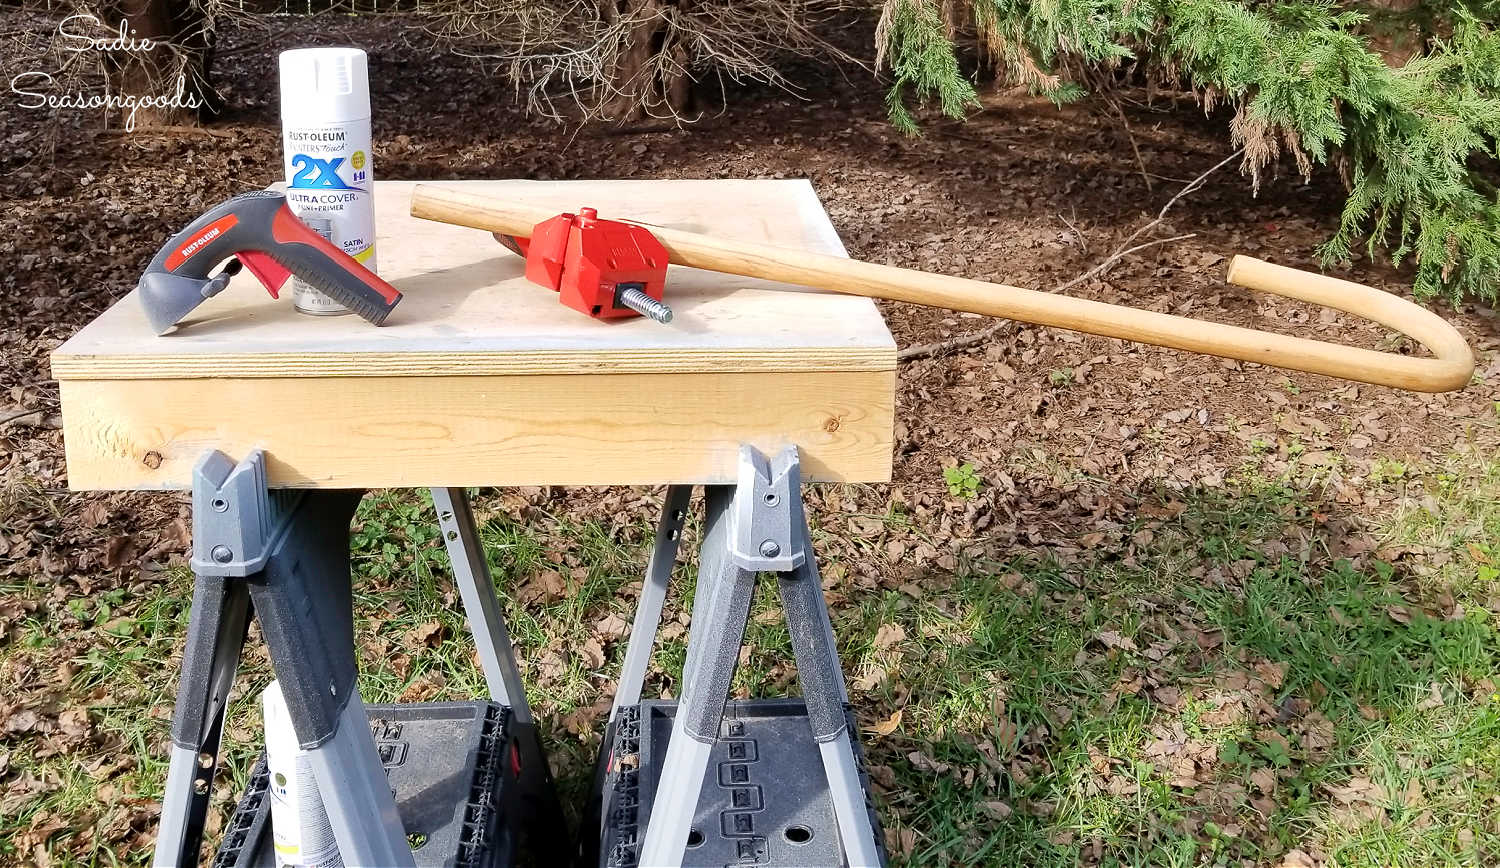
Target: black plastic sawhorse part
{"x": 765, "y": 802}
{"x": 453, "y": 768}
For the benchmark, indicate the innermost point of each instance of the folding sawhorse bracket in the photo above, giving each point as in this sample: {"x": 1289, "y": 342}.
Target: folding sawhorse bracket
{"x": 657, "y": 805}
{"x": 283, "y": 557}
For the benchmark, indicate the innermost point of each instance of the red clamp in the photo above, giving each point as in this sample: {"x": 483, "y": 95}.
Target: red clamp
{"x": 602, "y": 268}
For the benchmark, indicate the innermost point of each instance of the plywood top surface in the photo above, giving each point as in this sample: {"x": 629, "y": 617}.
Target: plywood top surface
{"x": 469, "y": 311}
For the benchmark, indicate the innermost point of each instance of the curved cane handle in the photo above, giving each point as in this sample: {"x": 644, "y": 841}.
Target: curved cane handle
{"x": 1451, "y": 368}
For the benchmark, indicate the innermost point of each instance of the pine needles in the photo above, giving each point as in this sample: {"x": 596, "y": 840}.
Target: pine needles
{"x": 1418, "y": 145}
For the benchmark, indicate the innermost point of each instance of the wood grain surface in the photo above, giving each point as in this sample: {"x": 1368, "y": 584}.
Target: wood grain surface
{"x": 482, "y": 378}
{"x": 546, "y": 429}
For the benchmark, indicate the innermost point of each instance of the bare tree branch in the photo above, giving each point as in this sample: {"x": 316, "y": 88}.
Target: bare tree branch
{"x": 1125, "y": 124}
{"x": 632, "y": 59}
{"x": 39, "y": 413}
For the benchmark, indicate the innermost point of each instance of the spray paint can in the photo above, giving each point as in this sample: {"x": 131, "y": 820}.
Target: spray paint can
{"x": 300, "y": 832}
{"x": 330, "y": 171}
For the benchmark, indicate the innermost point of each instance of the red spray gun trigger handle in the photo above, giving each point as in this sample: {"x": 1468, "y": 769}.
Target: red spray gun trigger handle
{"x": 271, "y": 274}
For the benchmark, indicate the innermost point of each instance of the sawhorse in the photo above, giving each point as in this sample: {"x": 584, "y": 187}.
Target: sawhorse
{"x": 282, "y": 557}
{"x": 660, "y": 811}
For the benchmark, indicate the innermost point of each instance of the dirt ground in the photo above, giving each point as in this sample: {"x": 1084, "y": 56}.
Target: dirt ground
{"x": 1068, "y": 432}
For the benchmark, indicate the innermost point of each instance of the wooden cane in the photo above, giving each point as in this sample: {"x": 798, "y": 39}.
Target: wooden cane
{"x": 1451, "y": 367}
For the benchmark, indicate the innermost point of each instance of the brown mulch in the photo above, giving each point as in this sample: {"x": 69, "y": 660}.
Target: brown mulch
{"x": 1068, "y": 432}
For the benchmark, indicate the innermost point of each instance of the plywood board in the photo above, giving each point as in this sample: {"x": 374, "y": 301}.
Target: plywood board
{"x": 481, "y": 378}
{"x": 467, "y": 304}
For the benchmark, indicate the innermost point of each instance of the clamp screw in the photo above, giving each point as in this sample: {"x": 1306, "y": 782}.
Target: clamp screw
{"x": 222, "y": 554}
{"x": 770, "y": 549}
{"x": 645, "y": 305}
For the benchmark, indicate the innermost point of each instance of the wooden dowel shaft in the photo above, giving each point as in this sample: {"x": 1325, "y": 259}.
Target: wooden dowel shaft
{"x": 1451, "y": 367}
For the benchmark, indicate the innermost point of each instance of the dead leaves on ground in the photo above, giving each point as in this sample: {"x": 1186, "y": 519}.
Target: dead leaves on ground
{"x": 885, "y": 660}
{"x": 889, "y": 635}
{"x": 591, "y": 653}
{"x": 424, "y": 687}
{"x": 1113, "y": 640}
{"x": 611, "y": 627}
{"x": 426, "y": 635}
{"x": 1249, "y": 736}
{"x": 1060, "y": 463}
{"x": 887, "y": 726}
{"x": 56, "y": 731}
{"x": 545, "y": 586}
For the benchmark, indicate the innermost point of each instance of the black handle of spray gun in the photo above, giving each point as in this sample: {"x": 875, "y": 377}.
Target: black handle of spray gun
{"x": 261, "y": 231}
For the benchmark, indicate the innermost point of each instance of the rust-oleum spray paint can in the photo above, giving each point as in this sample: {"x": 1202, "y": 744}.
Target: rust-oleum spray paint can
{"x": 330, "y": 172}
{"x": 301, "y": 835}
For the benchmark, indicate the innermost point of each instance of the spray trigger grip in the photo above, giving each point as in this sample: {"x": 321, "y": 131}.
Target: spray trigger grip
{"x": 271, "y": 274}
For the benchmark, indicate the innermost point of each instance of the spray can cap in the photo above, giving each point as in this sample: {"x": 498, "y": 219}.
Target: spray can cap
{"x": 324, "y": 85}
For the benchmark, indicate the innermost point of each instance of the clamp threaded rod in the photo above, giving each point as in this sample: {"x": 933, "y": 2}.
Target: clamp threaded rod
{"x": 645, "y": 305}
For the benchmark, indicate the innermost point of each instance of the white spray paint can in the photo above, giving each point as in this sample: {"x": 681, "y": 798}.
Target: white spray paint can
{"x": 325, "y": 143}
{"x": 300, "y": 832}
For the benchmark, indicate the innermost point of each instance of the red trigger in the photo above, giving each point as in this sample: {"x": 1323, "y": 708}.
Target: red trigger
{"x": 268, "y": 271}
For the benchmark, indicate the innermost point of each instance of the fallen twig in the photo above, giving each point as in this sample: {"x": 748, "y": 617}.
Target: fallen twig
{"x": 170, "y": 130}
{"x": 6, "y": 420}
{"x": 1077, "y": 233}
{"x": 1126, "y": 248}
{"x": 1117, "y": 256}
{"x": 1139, "y": 161}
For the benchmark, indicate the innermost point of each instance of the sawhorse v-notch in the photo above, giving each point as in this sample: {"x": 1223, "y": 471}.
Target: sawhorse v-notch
{"x": 767, "y": 809}
{"x": 282, "y": 557}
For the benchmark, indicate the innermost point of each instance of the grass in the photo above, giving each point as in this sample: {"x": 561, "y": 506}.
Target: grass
{"x": 1226, "y": 693}
{"x": 1328, "y": 630}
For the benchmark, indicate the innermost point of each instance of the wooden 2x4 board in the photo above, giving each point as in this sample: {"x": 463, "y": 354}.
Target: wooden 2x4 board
{"x": 482, "y": 378}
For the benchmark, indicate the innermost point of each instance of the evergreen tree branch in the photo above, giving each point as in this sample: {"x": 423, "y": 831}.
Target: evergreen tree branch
{"x": 1418, "y": 145}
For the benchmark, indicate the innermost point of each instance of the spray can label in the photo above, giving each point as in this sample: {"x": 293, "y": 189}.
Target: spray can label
{"x": 330, "y": 183}
{"x": 301, "y": 836}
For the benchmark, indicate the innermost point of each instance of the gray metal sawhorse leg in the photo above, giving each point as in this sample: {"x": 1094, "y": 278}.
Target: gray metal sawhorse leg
{"x": 757, "y": 525}
{"x": 283, "y": 558}
{"x": 542, "y": 815}
{"x": 637, "y": 652}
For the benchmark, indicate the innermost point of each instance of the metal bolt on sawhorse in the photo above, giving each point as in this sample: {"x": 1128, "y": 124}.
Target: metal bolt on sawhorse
{"x": 283, "y": 557}
{"x": 658, "y": 805}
